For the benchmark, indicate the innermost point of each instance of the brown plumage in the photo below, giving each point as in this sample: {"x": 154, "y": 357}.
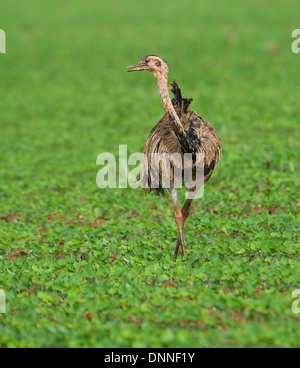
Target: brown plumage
{"x": 179, "y": 132}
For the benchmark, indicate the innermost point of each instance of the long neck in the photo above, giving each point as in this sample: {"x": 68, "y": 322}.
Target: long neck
{"x": 162, "y": 82}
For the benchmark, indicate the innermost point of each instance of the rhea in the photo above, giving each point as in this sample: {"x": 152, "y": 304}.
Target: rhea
{"x": 179, "y": 132}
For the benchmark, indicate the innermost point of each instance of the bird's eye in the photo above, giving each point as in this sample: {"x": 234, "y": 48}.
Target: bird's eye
{"x": 147, "y": 61}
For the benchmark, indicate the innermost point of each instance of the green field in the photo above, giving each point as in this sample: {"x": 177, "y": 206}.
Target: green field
{"x": 66, "y": 98}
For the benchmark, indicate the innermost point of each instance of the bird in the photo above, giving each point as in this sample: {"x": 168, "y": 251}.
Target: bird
{"x": 179, "y": 133}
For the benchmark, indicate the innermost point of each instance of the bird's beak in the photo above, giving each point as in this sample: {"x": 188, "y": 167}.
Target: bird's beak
{"x": 136, "y": 67}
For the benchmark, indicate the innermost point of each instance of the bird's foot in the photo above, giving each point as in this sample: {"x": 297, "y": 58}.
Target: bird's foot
{"x": 176, "y": 250}
{"x": 180, "y": 243}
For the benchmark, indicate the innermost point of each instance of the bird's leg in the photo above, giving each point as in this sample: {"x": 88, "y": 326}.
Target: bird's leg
{"x": 176, "y": 248}
{"x": 186, "y": 209}
{"x": 187, "y": 205}
{"x": 179, "y": 221}
{"x": 185, "y": 213}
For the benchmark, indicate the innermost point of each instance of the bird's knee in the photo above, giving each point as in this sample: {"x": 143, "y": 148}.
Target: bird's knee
{"x": 179, "y": 220}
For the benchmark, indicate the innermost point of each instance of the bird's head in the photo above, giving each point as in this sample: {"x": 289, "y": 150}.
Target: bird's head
{"x": 154, "y": 64}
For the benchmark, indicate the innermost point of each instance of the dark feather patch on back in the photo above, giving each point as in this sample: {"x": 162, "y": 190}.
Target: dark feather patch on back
{"x": 178, "y": 101}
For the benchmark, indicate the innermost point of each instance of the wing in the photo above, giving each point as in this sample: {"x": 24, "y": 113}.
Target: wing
{"x": 163, "y": 139}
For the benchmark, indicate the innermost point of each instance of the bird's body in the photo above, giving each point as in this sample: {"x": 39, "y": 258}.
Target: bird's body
{"x": 179, "y": 132}
{"x": 201, "y": 137}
